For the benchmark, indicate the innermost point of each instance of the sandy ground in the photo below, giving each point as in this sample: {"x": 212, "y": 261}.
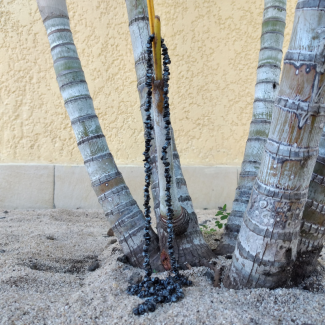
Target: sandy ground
{"x": 44, "y": 279}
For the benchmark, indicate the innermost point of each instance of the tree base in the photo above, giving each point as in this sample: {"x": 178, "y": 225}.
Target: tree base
{"x": 190, "y": 247}
{"x": 224, "y": 249}
{"x": 305, "y": 265}
{"x": 132, "y": 246}
{"x": 227, "y": 244}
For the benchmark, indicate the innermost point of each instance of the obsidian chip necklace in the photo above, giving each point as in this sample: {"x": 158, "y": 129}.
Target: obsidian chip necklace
{"x": 153, "y": 289}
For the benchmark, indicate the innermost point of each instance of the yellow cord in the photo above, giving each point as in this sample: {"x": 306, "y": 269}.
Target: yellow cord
{"x": 157, "y": 56}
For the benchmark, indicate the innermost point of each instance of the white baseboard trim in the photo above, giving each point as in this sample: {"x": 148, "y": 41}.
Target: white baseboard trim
{"x": 45, "y": 186}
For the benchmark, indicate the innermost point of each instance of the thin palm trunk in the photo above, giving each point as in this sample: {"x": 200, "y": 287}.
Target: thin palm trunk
{"x": 181, "y": 218}
{"x": 189, "y": 243}
{"x": 312, "y": 234}
{"x": 266, "y": 90}
{"x": 268, "y": 240}
{"x": 121, "y": 210}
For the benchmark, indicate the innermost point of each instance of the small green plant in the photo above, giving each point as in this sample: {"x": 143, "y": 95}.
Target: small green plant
{"x": 223, "y": 214}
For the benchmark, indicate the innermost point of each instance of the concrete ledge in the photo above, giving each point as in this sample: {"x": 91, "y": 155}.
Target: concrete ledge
{"x": 72, "y": 188}
{"x": 26, "y": 186}
{"x": 211, "y": 187}
{"x": 68, "y": 187}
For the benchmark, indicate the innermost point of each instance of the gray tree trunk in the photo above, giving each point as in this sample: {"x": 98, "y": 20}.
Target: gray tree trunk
{"x": 121, "y": 210}
{"x": 158, "y": 121}
{"x": 268, "y": 240}
{"x": 266, "y": 90}
{"x": 312, "y": 233}
{"x": 189, "y": 245}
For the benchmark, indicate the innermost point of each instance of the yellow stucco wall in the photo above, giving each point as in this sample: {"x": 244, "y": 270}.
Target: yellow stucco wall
{"x": 213, "y": 45}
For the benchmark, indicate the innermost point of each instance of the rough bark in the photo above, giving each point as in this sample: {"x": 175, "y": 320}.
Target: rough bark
{"x": 266, "y": 90}
{"x": 267, "y": 243}
{"x": 312, "y": 233}
{"x": 121, "y": 210}
{"x": 190, "y": 246}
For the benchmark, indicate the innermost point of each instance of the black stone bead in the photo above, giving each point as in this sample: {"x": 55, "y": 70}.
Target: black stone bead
{"x": 141, "y": 310}
{"x": 174, "y": 298}
{"x": 165, "y": 293}
{"x": 155, "y": 299}
{"x": 145, "y": 265}
{"x": 161, "y": 298}
{"x": 168, "y": 299}
{"x": 141, "y": 294}
{"x": 170, "y": 287}
{"x": 151, "y": 306}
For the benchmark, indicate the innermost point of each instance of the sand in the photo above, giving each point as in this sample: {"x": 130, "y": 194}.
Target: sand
{"x": 44, "y": 279}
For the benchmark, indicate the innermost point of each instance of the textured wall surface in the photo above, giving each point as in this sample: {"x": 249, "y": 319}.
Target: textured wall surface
{"x": 213, "y": 45}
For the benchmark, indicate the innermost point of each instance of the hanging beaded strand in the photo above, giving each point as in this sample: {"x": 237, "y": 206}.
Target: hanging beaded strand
{"x": 154, "y": 289}
{"x": 166, "y": 116}
{"x": 147, "y": 160}
{"x": 170, "y": 212}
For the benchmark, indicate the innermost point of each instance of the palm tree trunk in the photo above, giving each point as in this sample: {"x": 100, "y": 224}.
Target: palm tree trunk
{"x": 180, "y": 214}
{"x": 121, "y": 210}
{"x": 312, "y": 233}
{"x": 189, "y": 245}
{"x": 266, "y": 90}
{"x": 268, "y": 240}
